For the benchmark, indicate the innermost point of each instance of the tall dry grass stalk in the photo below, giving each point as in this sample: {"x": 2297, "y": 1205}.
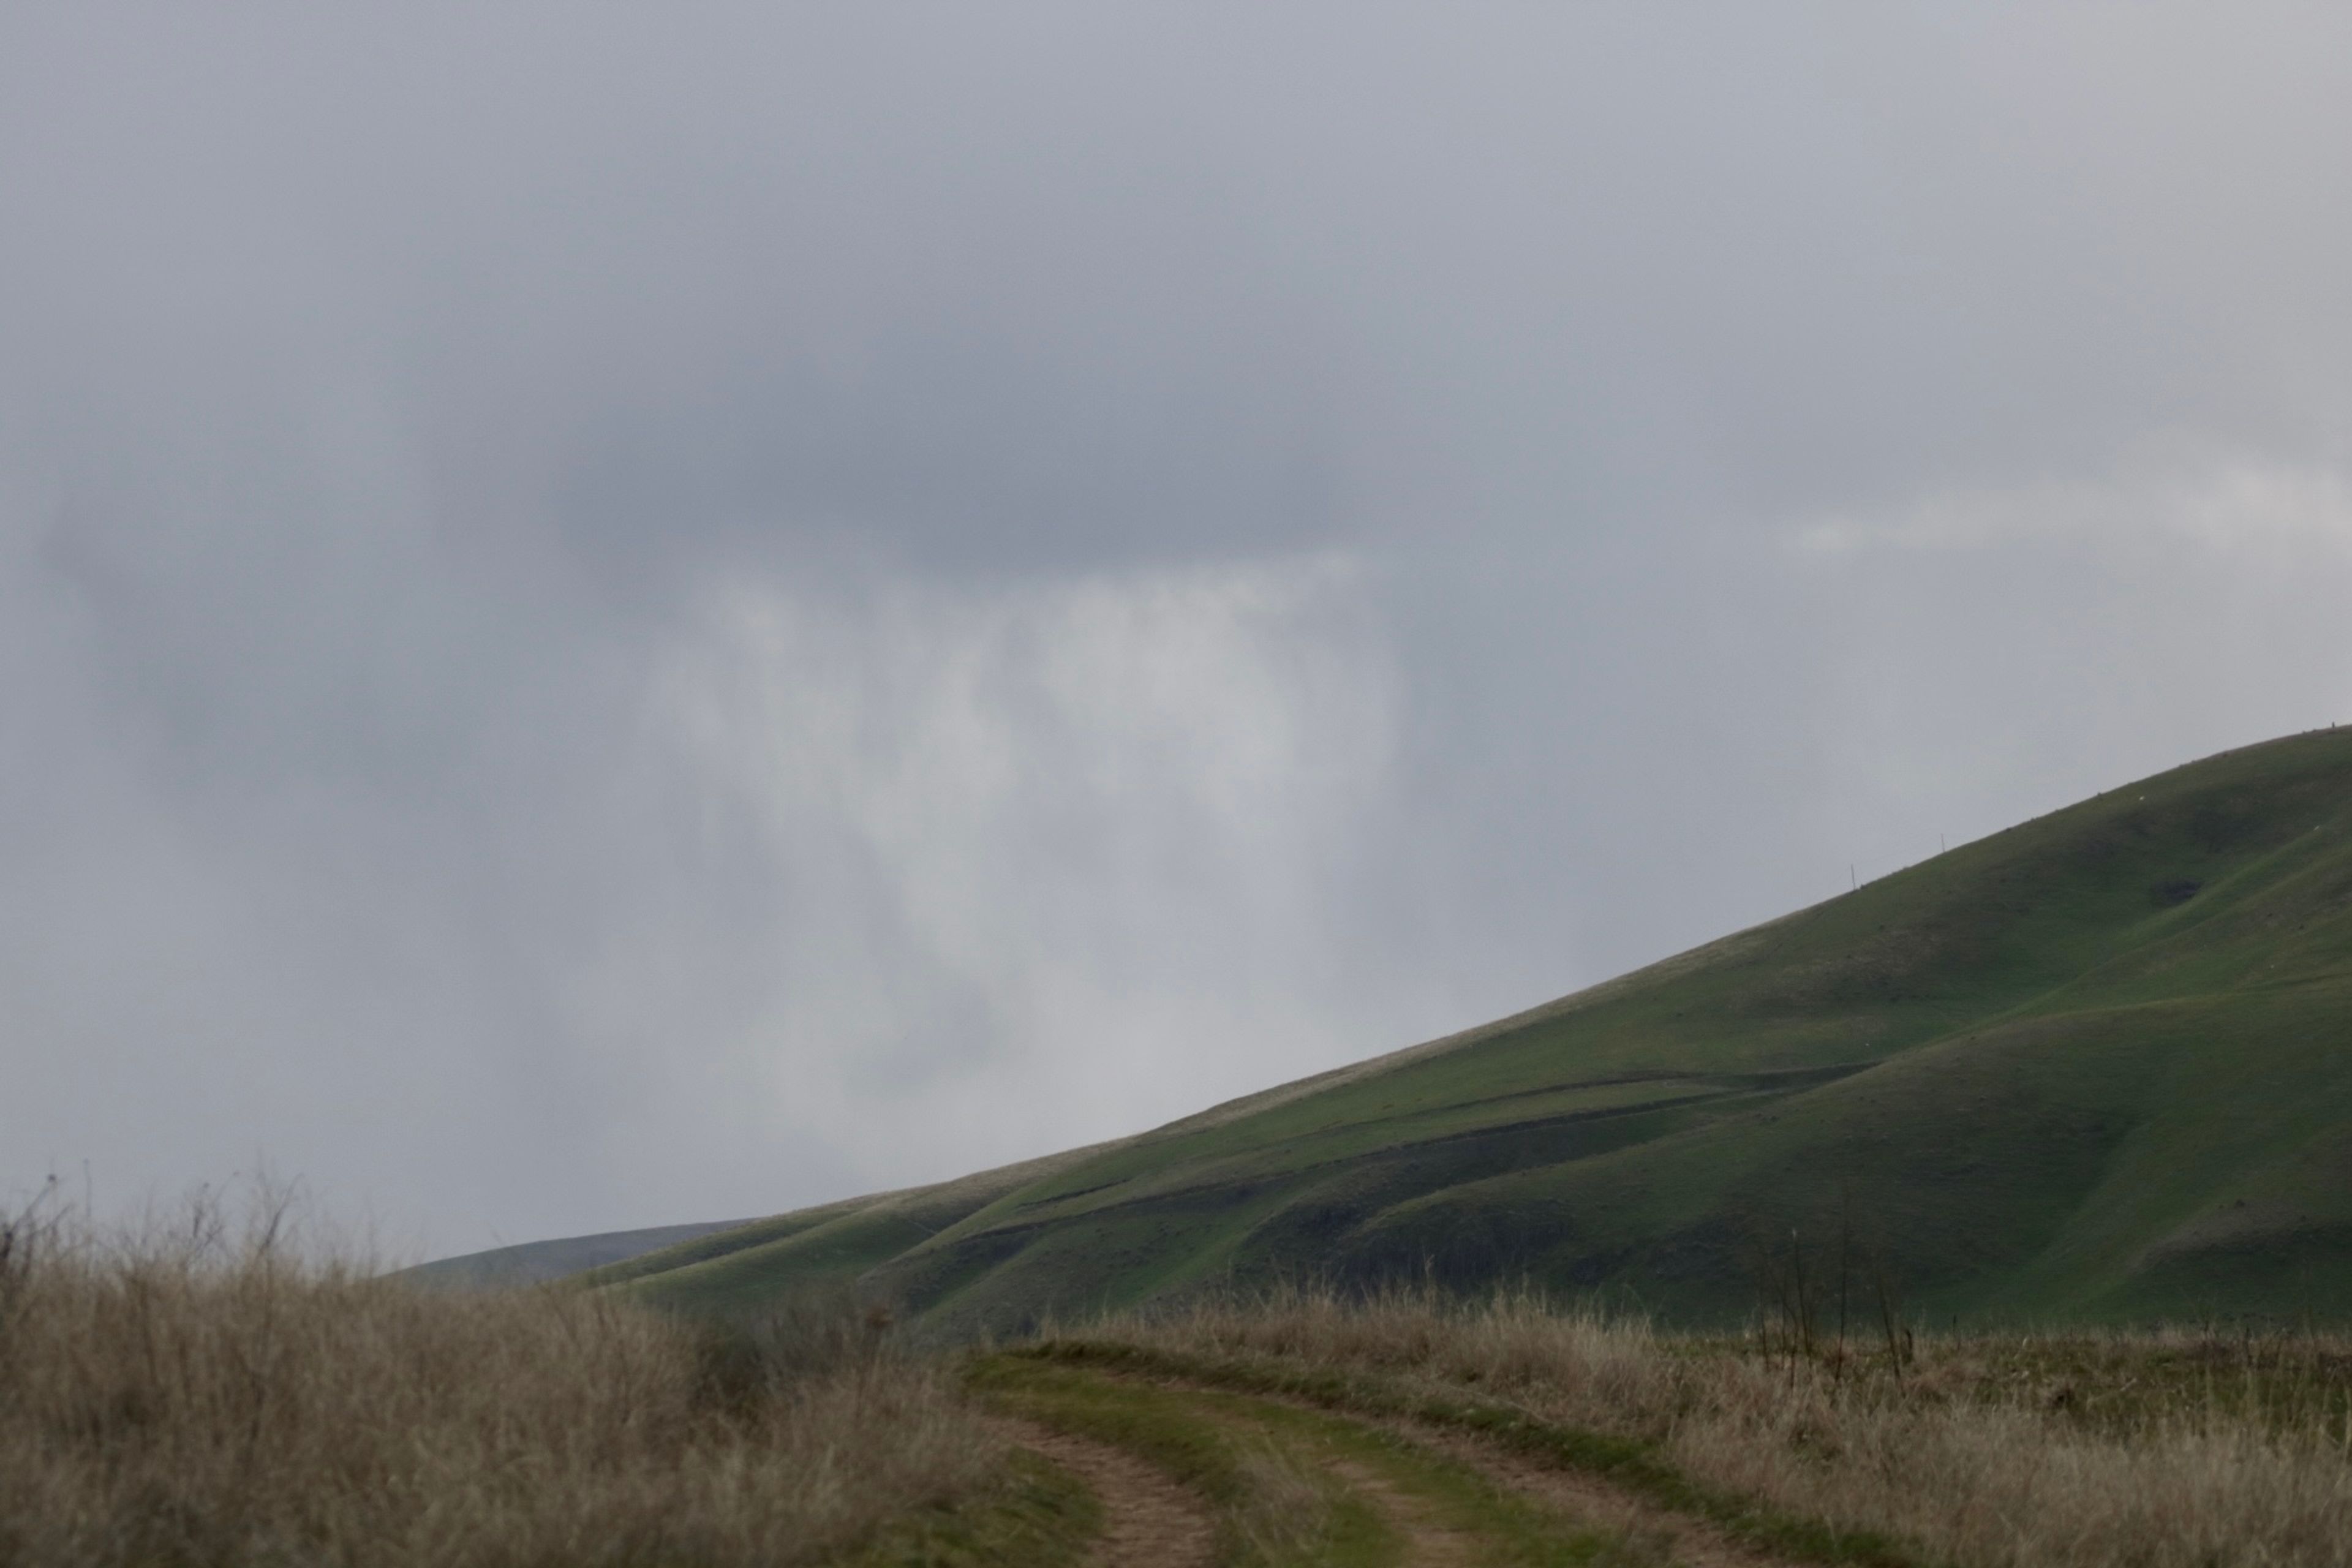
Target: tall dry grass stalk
{"x": 1972, "y": 1455}
{"x": 199, "y": 1399}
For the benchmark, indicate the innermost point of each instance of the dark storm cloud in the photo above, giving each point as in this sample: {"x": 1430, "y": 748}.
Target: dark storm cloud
{"x": 607, "y": 614}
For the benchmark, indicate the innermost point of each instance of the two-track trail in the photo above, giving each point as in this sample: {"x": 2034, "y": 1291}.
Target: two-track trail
{"x": 1193, "y": 1474}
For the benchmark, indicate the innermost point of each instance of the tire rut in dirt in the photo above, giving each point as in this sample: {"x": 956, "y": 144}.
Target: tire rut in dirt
{"x": 1150, "y": 1520}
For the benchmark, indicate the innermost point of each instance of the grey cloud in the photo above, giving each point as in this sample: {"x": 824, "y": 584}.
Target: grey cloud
{"x": 607, "y": 615}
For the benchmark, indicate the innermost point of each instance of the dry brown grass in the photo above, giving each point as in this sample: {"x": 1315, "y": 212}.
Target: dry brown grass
{"x": 1284, "y": 1513}
{"x": 1985, "y": 1452}
{"x": 198, "y": 1399}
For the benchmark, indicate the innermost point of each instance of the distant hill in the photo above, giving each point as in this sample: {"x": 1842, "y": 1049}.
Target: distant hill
{"x": 2095, "y": 1067}
{"x": 534, "y": 1261}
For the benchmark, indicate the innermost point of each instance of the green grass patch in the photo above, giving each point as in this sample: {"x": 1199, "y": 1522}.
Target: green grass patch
{"x": 1040, "y": 1516}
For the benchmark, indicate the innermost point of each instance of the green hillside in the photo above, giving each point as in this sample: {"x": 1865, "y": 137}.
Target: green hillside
{"x": 2098, "y": 1066}
{"x": 535, "y": 1262}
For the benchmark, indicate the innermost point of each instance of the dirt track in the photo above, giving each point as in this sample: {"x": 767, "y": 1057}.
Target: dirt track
{"x": 1153, "y": 1521}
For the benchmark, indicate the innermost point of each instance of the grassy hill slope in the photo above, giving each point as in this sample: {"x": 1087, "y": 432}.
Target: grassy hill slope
{"x": 533, "y": 1262}
{"x": 2097, "y": 1065}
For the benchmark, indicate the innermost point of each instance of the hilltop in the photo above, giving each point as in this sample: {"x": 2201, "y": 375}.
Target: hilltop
{"x": 2097, "y": 1067}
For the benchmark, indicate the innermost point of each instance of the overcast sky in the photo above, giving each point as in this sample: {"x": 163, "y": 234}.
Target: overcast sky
{"x": 612, "y": 615}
